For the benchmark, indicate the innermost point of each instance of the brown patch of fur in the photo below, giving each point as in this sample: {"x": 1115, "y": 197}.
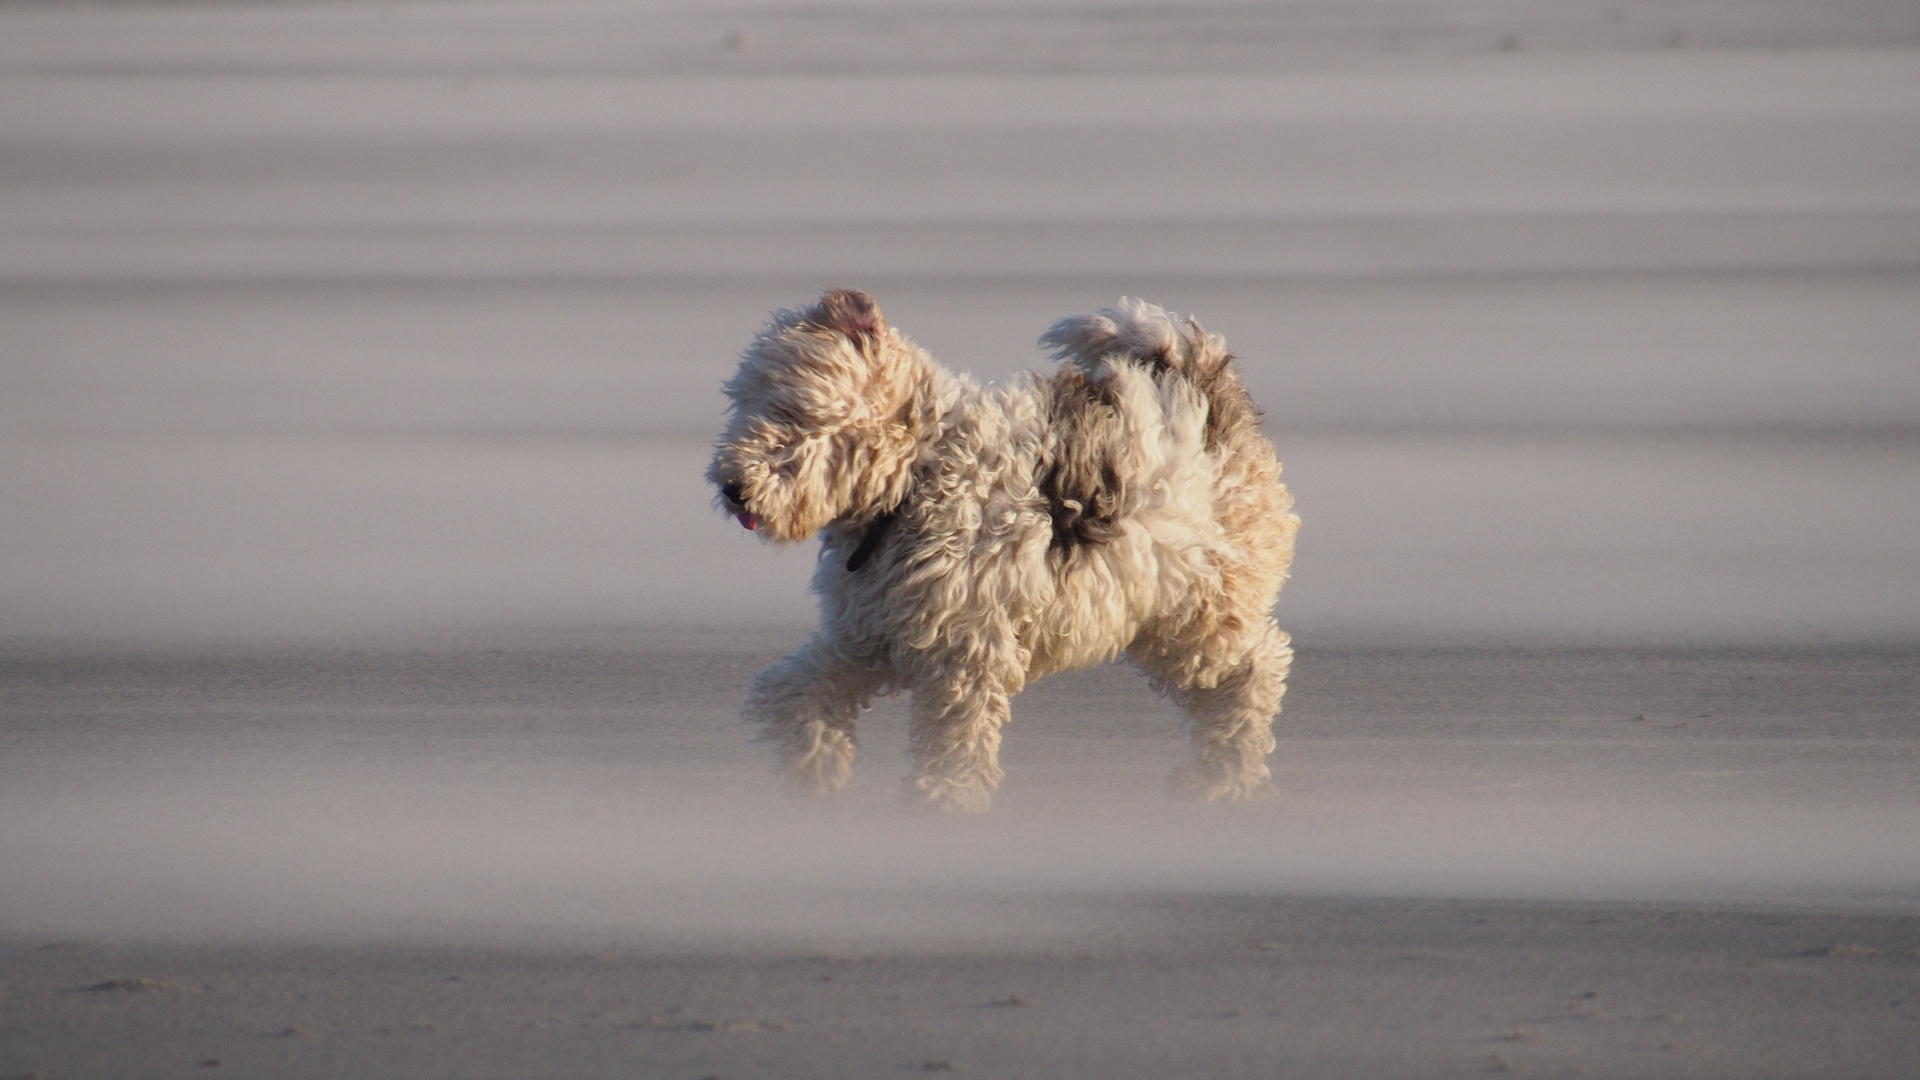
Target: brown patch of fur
{"x": 1230, "y": 409}
{"x": 1077, "y": 475}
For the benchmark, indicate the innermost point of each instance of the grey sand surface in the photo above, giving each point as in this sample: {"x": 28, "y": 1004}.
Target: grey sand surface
{"x": 1146, "y": 987}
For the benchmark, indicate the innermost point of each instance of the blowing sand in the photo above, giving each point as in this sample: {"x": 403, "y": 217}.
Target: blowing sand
{"x": 556, "y": 857}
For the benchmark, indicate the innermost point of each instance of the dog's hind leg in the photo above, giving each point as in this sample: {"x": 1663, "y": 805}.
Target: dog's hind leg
{"x": 1230, "y": 707}
{"x": 805, "y": 707}
{"x": 956, "y": 739}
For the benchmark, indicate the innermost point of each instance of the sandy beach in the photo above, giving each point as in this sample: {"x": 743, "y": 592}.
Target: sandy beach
{"x": 370, "y": 651}
{"x": 1216, "y": 986}
{"x": 495, "y": 858}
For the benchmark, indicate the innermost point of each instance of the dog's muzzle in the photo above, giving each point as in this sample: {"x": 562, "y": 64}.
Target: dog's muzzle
{"x": 730, "y": 491}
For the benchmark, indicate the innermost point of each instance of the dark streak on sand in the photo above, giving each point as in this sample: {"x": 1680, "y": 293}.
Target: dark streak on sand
{"x": 137, "y": 986}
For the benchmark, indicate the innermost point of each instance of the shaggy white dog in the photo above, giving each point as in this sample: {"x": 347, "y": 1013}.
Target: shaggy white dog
{"x": 975, "y": 538}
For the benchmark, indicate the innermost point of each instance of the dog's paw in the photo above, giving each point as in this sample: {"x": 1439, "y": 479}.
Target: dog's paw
{"x": 950, "y": 795}
{"x": 820, "y": 762}
{"x": 1196, "y": 781}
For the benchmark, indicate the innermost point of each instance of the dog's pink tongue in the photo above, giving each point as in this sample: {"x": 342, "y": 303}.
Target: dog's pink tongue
{"x": 748, "y": 520}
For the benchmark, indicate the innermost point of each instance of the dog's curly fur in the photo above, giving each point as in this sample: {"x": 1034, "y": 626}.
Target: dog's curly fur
{"x": 975, "y": 538}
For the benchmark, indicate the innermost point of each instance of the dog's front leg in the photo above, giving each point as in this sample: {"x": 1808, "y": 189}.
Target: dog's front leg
{"x": 806, "y": 706}
{"x": 956, "y": 740}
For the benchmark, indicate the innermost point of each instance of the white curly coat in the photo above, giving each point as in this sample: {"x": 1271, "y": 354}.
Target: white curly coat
{"x": 1127, "y": 505}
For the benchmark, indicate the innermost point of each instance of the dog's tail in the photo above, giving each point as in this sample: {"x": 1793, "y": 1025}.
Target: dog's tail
{"x": 1136, "y": 332}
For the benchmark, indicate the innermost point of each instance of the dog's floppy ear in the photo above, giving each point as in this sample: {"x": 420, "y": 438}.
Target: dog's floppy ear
{"x": 853, "y": 313}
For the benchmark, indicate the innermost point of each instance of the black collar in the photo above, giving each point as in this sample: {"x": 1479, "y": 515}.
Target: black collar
{"x": 870, "y": 543}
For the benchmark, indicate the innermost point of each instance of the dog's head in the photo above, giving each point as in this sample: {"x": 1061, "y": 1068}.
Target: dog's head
{"x": 820, "y": 419}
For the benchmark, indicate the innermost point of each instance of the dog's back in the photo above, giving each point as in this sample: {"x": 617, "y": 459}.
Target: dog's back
{"x": 1251, "y": 505}
{"x": 1145, "y": 334}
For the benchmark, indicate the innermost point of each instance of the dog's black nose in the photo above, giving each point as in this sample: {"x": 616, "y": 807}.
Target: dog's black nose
{"x": 731, "y": 491}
